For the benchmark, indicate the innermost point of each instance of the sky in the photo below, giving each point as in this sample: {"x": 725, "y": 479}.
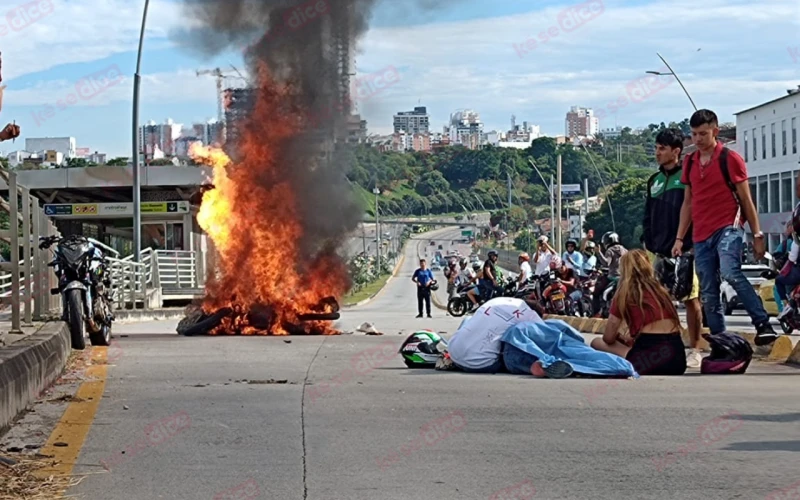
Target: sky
{"x": 68, "y": 64}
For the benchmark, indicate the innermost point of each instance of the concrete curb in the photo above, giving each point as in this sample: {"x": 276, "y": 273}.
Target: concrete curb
{"x": 388, "y": 280}
{"x": 137, "y": 315}
{"x": 781, "y": 350}
{"x": 29, "y": 366}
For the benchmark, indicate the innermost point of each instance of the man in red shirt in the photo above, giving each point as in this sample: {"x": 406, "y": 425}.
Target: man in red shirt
{"x": 717, "y": 215}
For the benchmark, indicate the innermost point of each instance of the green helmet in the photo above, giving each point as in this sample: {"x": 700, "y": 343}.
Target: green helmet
{"x": 422, "y": 348}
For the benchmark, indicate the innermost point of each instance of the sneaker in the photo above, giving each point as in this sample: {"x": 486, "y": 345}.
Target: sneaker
{"x": 559, "y": 369}
{"x": 786, "y": 310}
{"x": 765, "y": 335}
{"x": 694, "y": 359}
{"x": 430, "y": 316}
{"x": 418, "y": 316}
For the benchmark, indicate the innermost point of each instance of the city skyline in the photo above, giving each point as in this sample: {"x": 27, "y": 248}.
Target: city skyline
{"x": 514, "y": 67}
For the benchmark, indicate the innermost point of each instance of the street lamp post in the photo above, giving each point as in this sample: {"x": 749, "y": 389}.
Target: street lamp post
{"x": 672, "y": 73}
{"x": 377, "y": 234}
{"x": 137, "y": 186}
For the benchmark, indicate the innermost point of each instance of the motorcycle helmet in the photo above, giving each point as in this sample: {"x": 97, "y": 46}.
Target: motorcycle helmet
{"x": 491, "y": 254}
{"x": 476, "y": 266}
{"x": 665, "y": 272}
{"x": 796, "y": 219}
{"x": 610, "y": 238}
{"x": 422, "y": 348}
{"x": 434, "y": 285}
{"x": 573, "y": 243}
{"x": 591, "y": 245}
{"x": 683, "y": 277}
{"x": 463, "y": 261}
{"x": 730, "y": 354}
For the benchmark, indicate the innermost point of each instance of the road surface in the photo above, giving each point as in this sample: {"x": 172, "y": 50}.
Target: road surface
{"x": 199, "y": 418}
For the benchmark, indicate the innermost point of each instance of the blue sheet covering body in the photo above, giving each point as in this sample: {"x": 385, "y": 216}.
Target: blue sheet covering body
{"x": 555, "y": 340}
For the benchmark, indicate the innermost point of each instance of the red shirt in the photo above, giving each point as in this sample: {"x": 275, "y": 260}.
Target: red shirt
{"x": 713, "y": 204}
{"x": 641, "y": 317}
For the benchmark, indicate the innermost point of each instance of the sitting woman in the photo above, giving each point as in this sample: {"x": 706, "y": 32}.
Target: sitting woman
{"x": 654, "y": 345}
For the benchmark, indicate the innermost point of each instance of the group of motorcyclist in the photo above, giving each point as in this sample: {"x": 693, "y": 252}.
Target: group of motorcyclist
{"x": 483, "y": 281}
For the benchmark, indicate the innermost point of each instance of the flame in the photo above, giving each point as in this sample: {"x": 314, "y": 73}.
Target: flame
{"x": 251, "y": 216}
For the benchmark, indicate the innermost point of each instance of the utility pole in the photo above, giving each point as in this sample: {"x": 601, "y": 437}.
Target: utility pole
{"x": 137, "y": 186}
{"x": 508, "y": 229}
{"x": 552, "y": 211}
{"x": 558, "y": 203}
{"x": 585, "y": 203}
{"x": 377, "y": 234}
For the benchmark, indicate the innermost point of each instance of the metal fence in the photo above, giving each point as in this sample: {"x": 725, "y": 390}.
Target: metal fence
{"x": 27, "y": 288}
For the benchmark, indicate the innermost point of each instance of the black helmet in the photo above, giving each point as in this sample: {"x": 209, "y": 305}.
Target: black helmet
{"x": 434, "y": 285}
{"x": 796, "y": 219}
{"x": 610, "y": 238}
{"x": 491, "y": 254}
{"x": 665, "y": 272}
{"x": 730, "y": 354}
{"x": 573, "y": 243}
{"x": 684, "y": 277}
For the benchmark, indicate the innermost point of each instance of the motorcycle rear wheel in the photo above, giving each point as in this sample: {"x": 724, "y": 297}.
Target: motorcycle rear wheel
{"x": 456, "y": 307}
{"x": 77, "y": 326}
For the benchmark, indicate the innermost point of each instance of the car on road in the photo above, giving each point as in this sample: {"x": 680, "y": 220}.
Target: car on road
{"x": 755, "y": 275}
{"x": 436, "y": 267}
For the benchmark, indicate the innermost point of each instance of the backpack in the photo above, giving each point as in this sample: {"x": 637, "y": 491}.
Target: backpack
{"x": 723, "y": 164}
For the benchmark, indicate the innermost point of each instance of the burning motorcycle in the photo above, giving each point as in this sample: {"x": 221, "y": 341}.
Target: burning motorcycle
{"x": 85, "y": 287}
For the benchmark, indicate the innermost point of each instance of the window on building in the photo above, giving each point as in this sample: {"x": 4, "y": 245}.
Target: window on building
{"x": 763, "y": 142}
{"x": 755, "y": 146}
{"x": 774, "y": 146}
{"x": 783, "y": 137}
{"x": 786, "y": 192}
{"x": 774, "y": 193}
{"x": 746, "y": 152}
{"x": 794, "y": 136}
{"x": 763, "y": 205}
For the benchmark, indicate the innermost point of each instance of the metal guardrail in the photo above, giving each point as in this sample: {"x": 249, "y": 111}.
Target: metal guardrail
{"x": 176, "y": 268}
{"x": 30, "y": 278}
{"x": 130, "y": 280}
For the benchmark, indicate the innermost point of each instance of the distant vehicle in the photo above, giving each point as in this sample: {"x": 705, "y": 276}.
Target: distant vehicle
{"x": 436, "y": 267}
{"x": 440, "y": 247}
{"x": 754, "y": 274}
{"x": 461, "y": 227}
{"x": 433, "y": 243}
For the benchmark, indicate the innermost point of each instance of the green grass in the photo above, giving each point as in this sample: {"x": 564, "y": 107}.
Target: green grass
{"x": 366, "y": 292}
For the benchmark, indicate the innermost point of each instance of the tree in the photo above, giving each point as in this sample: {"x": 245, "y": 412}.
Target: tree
{"x": 627, "y": 200}
{"x": 525, "y": 241}
{"x": 76, "y": 163}
{"x": 118, "y": 162}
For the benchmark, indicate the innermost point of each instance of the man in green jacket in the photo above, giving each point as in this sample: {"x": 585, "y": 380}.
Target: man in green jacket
{"x": 662, "y": 215}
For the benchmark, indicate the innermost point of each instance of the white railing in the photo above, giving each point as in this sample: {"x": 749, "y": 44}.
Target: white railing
{"x": 176, "y": 269}
{"x": 130, "y": 280}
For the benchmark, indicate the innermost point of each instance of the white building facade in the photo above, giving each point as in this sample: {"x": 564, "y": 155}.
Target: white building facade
{"x": 67, "y": 146}
{"x": 766, "y": 137}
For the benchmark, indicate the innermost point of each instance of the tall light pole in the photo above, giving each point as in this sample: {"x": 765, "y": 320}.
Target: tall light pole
{"x": 137, "y": 185}
{"x": 377, "y": 234}
{"x": 672, "y": 73}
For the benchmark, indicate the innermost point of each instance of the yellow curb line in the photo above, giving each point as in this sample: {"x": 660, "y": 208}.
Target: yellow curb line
{"x": 75, "y": 423}
{"x": 781, "y": 350}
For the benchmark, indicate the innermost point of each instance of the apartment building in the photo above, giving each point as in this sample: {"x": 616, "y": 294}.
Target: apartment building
{"x": 766, "y": 137}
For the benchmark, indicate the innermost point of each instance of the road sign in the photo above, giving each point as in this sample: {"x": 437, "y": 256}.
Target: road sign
{"x": 570, "y": 189}
{"x": 466, "y": 233}
{"x": 111, "y": 210}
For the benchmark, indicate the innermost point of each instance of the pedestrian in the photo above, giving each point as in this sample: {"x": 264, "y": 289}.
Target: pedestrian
{"x": 789, "y": 276}
{"x": 716, "y": 203}
{"x": 451, "y": 273}
{"x": 653, "y": 342}
{"x": 423, "y": 277}
{"x": 662, "y": 216}
{"x": 489, "y": 284}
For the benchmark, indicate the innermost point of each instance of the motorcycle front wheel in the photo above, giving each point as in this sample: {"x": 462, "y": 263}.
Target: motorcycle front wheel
{"x": 103, "y": 337}
{"x": 77, "y": 327}
{"x": 456, "y": 307}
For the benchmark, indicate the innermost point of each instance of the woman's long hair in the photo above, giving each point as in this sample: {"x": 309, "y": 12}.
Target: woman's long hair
{"x": 637, "y": 281}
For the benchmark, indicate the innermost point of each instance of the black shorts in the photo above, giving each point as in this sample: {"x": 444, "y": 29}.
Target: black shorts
{"x": 658, "y": 354}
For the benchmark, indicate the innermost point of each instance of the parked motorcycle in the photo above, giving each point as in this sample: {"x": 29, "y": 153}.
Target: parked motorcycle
{"x": 608, "y": 295}
{"x": 461, "y": 305}
{"x": 555, "y": 297}
{"x": 85, "y": 287}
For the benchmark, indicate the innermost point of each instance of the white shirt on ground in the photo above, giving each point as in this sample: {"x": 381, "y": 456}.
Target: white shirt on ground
{"x": 543, "y": 266}
{"x": 476, "y": 344}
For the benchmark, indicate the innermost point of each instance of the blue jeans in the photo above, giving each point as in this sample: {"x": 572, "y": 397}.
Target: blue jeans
{"x": 717, "y": 258}
{"x": 496, "y": 367}
{"x": 517, "y": 361}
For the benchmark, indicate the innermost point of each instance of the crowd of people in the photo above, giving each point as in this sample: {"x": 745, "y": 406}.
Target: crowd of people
{"x": 695, "y": 210}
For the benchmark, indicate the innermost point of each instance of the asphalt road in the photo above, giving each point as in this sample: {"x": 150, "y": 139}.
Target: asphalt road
{"x": 351, "y": 422}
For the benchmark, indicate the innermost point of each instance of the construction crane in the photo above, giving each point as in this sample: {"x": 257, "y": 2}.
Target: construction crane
{"x": 220, "y": 78}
